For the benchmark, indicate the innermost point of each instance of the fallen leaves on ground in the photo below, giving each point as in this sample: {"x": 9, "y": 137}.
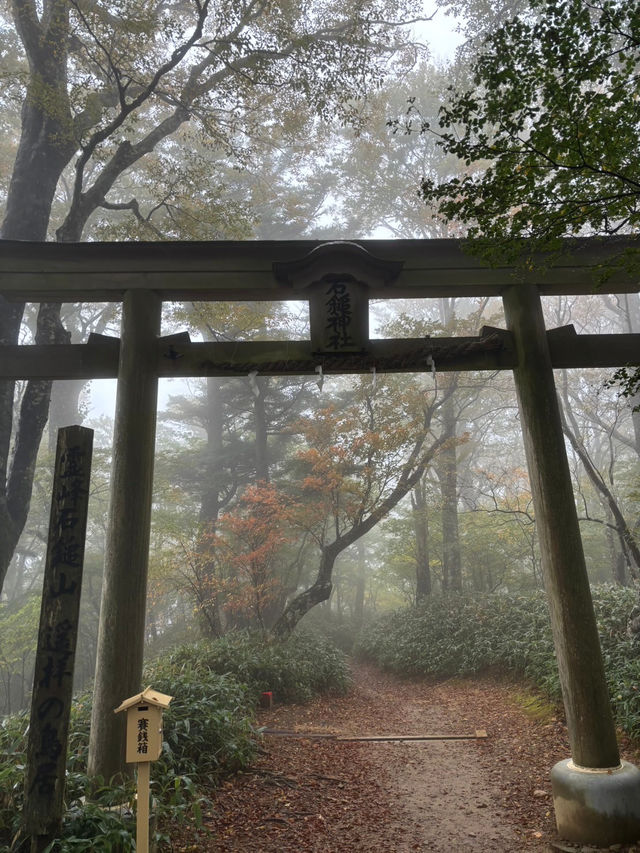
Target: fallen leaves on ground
{"x": 320, "y": 794}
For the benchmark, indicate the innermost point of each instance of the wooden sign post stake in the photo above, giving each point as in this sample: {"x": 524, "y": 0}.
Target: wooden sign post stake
{"x": 142, "y": 815}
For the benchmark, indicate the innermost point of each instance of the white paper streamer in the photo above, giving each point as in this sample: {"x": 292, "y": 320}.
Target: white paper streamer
{"x": 253, "y": 384}
{"x": 320, "y": 376}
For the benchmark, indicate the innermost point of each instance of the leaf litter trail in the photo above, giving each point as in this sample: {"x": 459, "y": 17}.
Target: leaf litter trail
{"x": 327, "y": 795}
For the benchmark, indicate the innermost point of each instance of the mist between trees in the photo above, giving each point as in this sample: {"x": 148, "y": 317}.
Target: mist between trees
{"x": 254, "y": 480}
{"x": 257, "y": 120}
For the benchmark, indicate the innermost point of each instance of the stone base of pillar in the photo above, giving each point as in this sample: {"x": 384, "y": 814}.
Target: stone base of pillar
{"x": 599, "y": 807}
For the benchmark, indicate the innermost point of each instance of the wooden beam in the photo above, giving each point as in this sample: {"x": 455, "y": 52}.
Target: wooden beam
{"x": 573, "y": 350}
{"x": 178, "y": 358}
{"x": 281, "y": 358}
{"x": 243, "y": 270}
{"x": 63, "y": 361}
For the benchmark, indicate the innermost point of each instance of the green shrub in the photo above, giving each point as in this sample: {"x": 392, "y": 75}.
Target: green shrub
{"x": 621, "y": 654}
{"x": 208, "y": 730}
{"x": 91, "y": 826}
{"x": 296, "y": 670}
{"x": 342, "y": 631}
{"x": 13, "y": 749}
{"x": 463, "y": 635}
{"x": 208, "y": 733}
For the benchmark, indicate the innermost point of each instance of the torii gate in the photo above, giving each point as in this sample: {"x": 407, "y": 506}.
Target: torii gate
{"x": 596, "y": 798}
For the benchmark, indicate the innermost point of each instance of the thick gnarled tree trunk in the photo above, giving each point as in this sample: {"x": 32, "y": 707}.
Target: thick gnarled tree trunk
{"x": 417, "y": 463}
{"x": 46, "y": 147}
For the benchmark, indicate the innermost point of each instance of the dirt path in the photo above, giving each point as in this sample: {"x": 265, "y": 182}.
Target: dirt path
{"x": 324, "y": 795}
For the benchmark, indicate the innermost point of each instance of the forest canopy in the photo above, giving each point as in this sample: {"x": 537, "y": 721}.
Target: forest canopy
{"x": 259, "y": 120}
{"x": 547, "y": 135}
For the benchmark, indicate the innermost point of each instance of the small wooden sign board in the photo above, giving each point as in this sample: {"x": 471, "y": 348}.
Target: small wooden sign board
{"x": 144, "y": 745}
{"x": 144, "y": 724}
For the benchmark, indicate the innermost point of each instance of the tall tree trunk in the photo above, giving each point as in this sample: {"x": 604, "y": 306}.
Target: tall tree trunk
{"x": 339, "y": 597}
{"x": 318, "y": 592}
{"x": 10, "y": 316}
{"x": 214, "y": 425}
{"x": 361, "y": 582}
{"x": 211, "y": 615}
{"x": 616, "y": 555}
{"x": 260, "y": 418}
{"x": 447, "y": 471}
{"x": 632, "y": 321}
{"x": 45, "y": 148}
{"x": 627, "y": 539}
{"x": 16, "y": 480}
{"x": 421, "y": 529}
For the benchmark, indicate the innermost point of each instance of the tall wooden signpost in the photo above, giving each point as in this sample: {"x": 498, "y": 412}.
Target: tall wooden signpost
{"x": 53, "y": 675}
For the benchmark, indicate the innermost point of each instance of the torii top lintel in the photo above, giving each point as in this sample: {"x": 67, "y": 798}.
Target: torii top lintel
{"x": 262, "y": 270}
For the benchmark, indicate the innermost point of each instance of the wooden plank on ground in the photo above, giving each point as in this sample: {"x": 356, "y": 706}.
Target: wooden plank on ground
{"x": 389, "y": 738}
{"x": 479, "y": 734}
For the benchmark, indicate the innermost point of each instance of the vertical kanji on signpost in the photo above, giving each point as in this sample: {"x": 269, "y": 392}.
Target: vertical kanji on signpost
{"x": 53, "y": 674}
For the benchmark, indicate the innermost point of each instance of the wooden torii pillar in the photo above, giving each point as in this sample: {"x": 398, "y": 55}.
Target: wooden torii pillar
{"x": 596, "y": 797}
{"x": 124, "y": 588}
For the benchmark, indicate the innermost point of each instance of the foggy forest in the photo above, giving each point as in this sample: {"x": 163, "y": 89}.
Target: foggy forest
{"x": 507, "y": 123}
